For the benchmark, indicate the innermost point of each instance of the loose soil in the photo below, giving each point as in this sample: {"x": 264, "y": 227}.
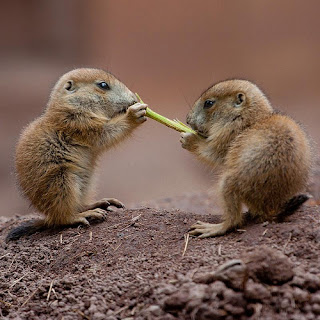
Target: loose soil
{"x": 139, "y": 264}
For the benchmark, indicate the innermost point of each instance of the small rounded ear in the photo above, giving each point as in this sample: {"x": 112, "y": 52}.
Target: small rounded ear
{"x": 69, "y": 85}
{"x": 240, "y": 99}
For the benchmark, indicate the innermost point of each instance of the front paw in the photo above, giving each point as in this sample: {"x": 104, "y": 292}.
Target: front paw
{"x": 137, "y": 113}
{"x": 188, "y": 141}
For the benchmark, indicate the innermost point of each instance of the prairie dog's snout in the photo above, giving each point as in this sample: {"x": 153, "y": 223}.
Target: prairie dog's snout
{"x": 196, "y": 119}
{"x": 121, "y": 96}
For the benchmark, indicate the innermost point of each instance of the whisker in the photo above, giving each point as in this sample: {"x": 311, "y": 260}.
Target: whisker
{"x": 186, "y": 100}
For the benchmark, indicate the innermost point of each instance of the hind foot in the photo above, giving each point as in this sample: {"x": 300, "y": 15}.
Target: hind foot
{"x": 105, "y": 203}
{"x": 94, "y": 214}
{"x": 87, "y": 216}
{"x": 206, "y": 230}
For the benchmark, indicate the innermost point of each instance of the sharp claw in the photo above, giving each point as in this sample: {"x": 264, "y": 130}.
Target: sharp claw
{"x": 197, "y": 226}
{"x": 103, "y": 213}
{"x": 194, "y": 232}
{"x": 85, "y": 222}
{"x": 111, "y": 202}
{"x": 116, "y": 203}
{"x": 206, "y": 230}
{"x": 204, "y": 235}
{"x": 200, "y": 225}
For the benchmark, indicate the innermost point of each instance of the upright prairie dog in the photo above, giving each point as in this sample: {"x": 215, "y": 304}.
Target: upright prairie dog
{"x": 88, "y": 112}
{"x": 264, "y": 157}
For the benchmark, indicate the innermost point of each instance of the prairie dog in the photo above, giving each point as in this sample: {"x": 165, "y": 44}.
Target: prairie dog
{"x": 88, "y": 112}
{"x": 264, "y": 157}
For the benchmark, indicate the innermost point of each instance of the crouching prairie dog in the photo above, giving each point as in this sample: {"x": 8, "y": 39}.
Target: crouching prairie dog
{"x": 264, "y": 157}
{"x": 89, "y": 111}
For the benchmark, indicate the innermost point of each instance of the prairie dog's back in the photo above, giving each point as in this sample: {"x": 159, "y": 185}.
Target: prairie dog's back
{"x": 277, "y": 141}
{"x": 272, "y": 157}
{"x": 43, "y": 156}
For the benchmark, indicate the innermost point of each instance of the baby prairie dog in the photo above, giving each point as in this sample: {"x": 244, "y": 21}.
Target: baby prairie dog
{"x": 264, "y": 157}
{"x": 89, "y": 111}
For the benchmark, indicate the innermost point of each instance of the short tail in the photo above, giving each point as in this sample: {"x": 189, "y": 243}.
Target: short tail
{"x": 26, "y": 229}
{"x": 292, "y": 205}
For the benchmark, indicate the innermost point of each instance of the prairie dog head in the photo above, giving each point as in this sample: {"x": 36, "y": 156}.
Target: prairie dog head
{"x": 236, "y": 103}
{"x": 91, "y": 90}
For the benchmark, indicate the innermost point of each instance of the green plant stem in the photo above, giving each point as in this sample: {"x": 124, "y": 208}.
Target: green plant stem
{"x": 173, "y": 124}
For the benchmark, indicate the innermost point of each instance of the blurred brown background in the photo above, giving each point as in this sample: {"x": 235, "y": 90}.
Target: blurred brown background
{"x": 169, "y": 52}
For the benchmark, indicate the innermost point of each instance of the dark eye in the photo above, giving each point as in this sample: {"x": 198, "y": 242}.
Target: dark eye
{"x": 68, "y": 85}
{"x": 208, "y": 104}
{"x": 103, "y": 85}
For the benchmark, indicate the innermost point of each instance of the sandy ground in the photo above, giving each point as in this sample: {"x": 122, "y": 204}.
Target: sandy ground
{"x": 138, "y": 264}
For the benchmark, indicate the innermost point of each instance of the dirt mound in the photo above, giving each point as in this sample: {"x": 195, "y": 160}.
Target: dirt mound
{"x": 132, "y": 266}
{"x": 266, "y": 287}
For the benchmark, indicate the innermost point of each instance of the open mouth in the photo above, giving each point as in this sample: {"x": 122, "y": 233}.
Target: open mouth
{"x": 123, "y": 110}
{"x": 200, "y": 132}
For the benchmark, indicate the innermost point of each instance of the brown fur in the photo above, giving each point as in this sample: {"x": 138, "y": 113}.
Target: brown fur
{"x": 57, "y": 153}
{"x": 264, "y": 157}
